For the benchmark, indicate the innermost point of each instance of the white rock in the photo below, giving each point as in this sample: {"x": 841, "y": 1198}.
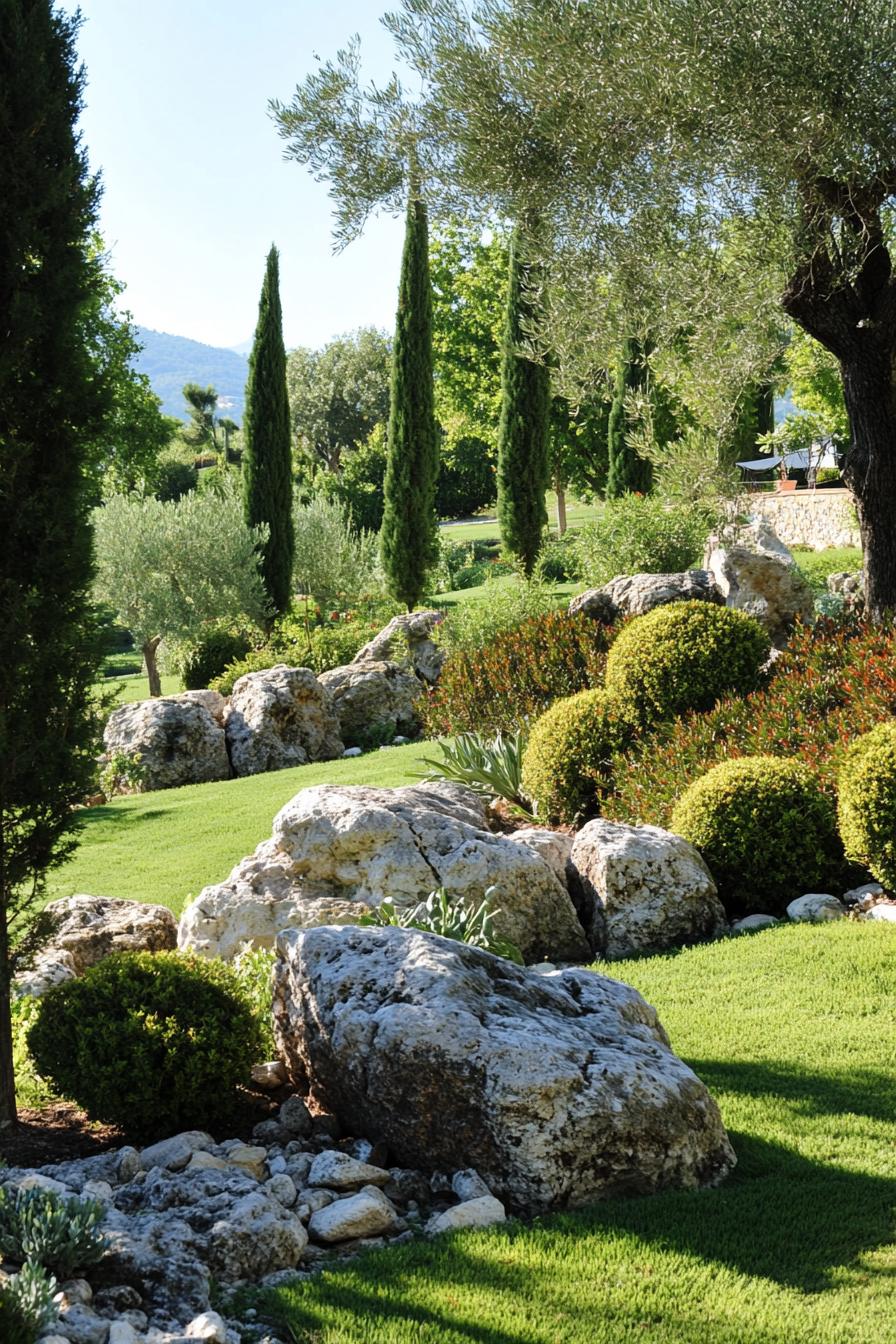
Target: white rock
{"x": 366, "y": 1214}
{"x": 122, "y": 1332}
{"x": 555, "y": 847}
{"x": 257, "y": 1236}
{"x": 815, "y": 908}
{"x": 335, "y": 852}
{"x": 408, "y": 636}
{"x": 469, "y": 1185}
{"x": 280, "y": 718}
{"x": 317, "y": 1199}
{"x": 557, "y": 1090}
{"x": 177, "y": 742}
{"x": 206, "y": 1162}
{"x": 269, "y": 1075}
{"x": 883, "y": 911}
{"x": 175, "y": 1153}
{"x": 80, "y": 1325}
{"x": 35, "y": 1181}
{"x": 282, "y": 1188}
{"x": 640, "y": 889}
{"x": 208, "y": 1326}
{"x": 352, "y": 751}
{"x": 480, "y": 1212}
{"x": 340, "y": 1171}
{"x": 859, "y": 894}
{"x": 98, "y": 1190}
{"x": 77, "y": 1290}
{"x": 373, "y": 694}
{"x": 762, "y": 579}
{"x": 249, "y": 1158}
{"x": 636, "y": 594}
{"x": 751, "y": 922}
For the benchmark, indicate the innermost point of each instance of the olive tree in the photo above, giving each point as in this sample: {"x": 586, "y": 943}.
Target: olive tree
{"x": 168, "y": 569}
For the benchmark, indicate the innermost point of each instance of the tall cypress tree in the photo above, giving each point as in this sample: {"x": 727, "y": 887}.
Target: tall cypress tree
{"x": 54, "y": 404}
{"x": 628, "y": 473}
{"x": 409, "y": 535}
{"x": 267, "y": 458}
{"x": 524, "y": 429}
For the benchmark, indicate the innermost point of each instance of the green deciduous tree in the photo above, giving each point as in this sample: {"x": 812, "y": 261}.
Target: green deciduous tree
{"x": 267, "y": 459}
{"x": 168, "y": 569}
{"x": 338, "y": 395}
{"x": 54, "y": 404}
{"x": 524, "y": 428}
{"x": 409, "y": 537}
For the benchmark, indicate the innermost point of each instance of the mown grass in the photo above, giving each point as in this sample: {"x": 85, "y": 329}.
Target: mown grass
{"x": 165, "y": 847}
{"x": 817, "y": 565}
{"x": 126, "y": 690}
{"x": 486, "y": 529}
{"x": 792, "y": 1030}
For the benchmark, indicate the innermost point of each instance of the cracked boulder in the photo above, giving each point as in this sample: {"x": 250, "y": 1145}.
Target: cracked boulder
{"x": 369, "y": 695}
{"x": 636, "y": 594}
{"x": 171, "y": 741}
{"x": 408, "y": 637}
{"x": 88, "y": 929}
{"x": 279, "y": 718}
{"x": 336, "y": 852}
{"x": 558, "y": 1089}
{"x": 756, "y": 573}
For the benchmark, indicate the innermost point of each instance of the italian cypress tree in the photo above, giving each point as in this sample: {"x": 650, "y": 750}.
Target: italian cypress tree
{"x": 524, "y": 429}
{"x": 408, "y": 538}
{"x": 267, "y": 458}
{"x": 628, "y": 473}
{"x": 54, "y": 404}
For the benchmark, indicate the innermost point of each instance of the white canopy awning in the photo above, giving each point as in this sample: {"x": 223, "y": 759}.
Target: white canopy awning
{"x": 794, "y": 461}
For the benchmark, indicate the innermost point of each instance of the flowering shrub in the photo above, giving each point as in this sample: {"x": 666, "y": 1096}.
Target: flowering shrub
{"x": 518, "y": 674}
{"x": 833, "y": 683}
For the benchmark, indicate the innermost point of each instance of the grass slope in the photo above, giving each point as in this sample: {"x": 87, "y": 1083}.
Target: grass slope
{"x": 165, "y": 847}
{"x": 792, "y": 1030}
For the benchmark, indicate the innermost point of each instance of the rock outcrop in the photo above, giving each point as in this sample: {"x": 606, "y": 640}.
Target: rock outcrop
{"x": 636, "y": 594}
{"x": 558, "y": 1089}
{"x": 373, "y": 695}
{"x": 335, "y": 852}
{"x": 173, "y": 740}
{"x": 757, "y": 574}
{"x": 408, "y": 638}
{"x": 279, "y": 718}
{"x": 640, "y": 889}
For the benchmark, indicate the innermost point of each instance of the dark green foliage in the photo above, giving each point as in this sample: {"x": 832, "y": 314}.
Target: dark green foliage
{"x": 154, "y": 1043}
{"x": 53, "y": 408}
{"x": 409, "y": 539}
{"x": 755, "y": 418}
{"x": 627, "y": 472}
{"x": 40, "y": 1227}
{"x": 524, "y": 428}
{"x": 214, "y": 652}
{"x": 267, "y": 459}
{"x": 466, "y": 482}
{"x": 567, "y": 765}
{"x": 174, "y": 479}
{"x": 579, "y": 451}
{"x": 358, "y": 485}
{"x": 766, "y": 829}
{"x": 866, "y": 802}
{"x": 517, "y": 674}
{"x": 683, "y": 656}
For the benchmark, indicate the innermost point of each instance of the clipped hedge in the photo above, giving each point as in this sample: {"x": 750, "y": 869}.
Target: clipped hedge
{"x": 152, "y": 1042}
{"x": 684, "y": 656}
{"x": 766, "y": 829}
{"x": 867, "y": 802}
{"x": 567, "y": 761}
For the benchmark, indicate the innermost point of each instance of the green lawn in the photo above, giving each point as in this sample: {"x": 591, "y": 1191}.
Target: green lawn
{"x": 486, "y": 591}
{"x": 129, "y": 689}
{"x": 817, "y": 565}
{"x": 793, "y": 1032}
{"x": 487, "y": 529}
{"x": 165, "y": 847}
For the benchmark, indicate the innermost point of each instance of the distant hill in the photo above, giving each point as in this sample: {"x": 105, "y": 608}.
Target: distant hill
{"x": 170, "y": 361}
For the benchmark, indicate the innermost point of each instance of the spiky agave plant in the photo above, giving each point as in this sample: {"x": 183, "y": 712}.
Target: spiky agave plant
{"x": 450, "y": 917}
{"x": 490, "y": 766}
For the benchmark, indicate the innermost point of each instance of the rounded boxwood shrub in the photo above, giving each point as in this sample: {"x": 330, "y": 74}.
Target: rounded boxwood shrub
{"x": 867, "y": 802}
{"x": 684, "y": 656}
{"x": 567, "y": 761}
{"x": 766, "y": 829}
{"x": 151, "y": 1042}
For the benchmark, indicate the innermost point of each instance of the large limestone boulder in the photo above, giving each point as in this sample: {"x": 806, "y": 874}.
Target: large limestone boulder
{"x": 558, "y": 1089}
{"x": 756, "y": 573}
{"x": 336, "y": 852}
{"x": 636, "y": 594}
{"x": 279, "y": 718}
{"x": 371, "y": 694}
{"x": 213, "y": 701}
{"x": 640, "y": 889}
{"x": 408, "y": 638}
{"x": 89, "y": 928}
{"x": 177, "y": 740}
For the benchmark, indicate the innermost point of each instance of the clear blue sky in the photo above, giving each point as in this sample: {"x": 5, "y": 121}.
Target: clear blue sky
{"x": 195, "y": 185}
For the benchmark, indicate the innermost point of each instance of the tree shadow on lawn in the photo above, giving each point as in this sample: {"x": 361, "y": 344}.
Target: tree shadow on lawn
{"x": 120, "y": 816}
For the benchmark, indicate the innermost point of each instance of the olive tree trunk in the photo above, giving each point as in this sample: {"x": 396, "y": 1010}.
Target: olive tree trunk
{"x": 149, "y": 651}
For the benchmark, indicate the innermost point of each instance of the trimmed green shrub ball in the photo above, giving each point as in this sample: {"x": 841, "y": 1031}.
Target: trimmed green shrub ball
{"x": 567, "y": 761}
{"x": 867, "y": 802}
{"x": 684, "y": 656}
{"x": 152, "y": 1042}
{"x": 765, "y": 828}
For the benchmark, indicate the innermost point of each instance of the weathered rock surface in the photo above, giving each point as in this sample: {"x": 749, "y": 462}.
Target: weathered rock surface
{"x": 636, "y": 594}
{"x": 369, "y": 694}
{"x": 757, "y": 574}
{"x": 178, "y": 741}
{"x": 408, "y": 637}
{"x": 815, "y": 908}
{"x": 640, "y": 889}
{"x": 279, "y": 718}
{"x": 555, "y": 847}
{"x": 90, "y": 928}
{"x": 750, "y": 923}
{"x": 484, "y": 1211}
{"x": 366, "y": 1214}
{"x": 336, "y": 852}
{"x": 213, "y": 701}
{"x": 558, "y": 1089}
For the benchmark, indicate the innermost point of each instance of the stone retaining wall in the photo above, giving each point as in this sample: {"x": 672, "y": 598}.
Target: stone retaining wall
{"x": 816, "y": 518}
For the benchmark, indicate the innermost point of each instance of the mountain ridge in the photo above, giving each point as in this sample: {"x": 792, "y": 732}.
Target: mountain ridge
{"x": 171, "y": 361}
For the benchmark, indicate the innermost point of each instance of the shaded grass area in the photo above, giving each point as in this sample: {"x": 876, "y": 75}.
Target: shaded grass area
{"x": 817, "y": 565}
{"x": 165, "y": 847}
{"x": 792, "y": 1030}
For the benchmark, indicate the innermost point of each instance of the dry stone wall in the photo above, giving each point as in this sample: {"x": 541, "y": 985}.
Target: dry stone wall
{"x": 816, "y": 518}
